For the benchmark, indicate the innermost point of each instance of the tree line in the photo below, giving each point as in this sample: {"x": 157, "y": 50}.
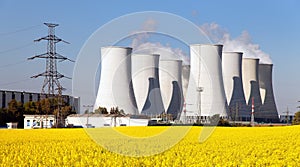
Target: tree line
{"x": 15, "y": 110}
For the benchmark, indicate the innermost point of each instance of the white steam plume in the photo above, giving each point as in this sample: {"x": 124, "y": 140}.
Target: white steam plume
{"x": 141, "y": 44}
{"x": 242, "y": 43}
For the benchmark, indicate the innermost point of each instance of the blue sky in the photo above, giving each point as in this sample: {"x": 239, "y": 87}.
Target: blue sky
{"x": 273, "y": 24}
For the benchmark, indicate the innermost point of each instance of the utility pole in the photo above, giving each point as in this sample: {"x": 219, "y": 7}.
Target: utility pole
{"x": 88, "y": 114}
{"x": 287, "y": 115}
{"x": 199, "y": 90}
{"x": 184, "y": 112}
{"x": 59, "y": 116}
{"x": 236, "y": 112}
{"x": 52, "y": 76}
{"x": 252, "y": 113}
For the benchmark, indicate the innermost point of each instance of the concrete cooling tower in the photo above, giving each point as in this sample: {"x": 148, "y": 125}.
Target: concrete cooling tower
{"x": 170, "y": 73}
{"x": 205, "y": 95}
{"x": 251, "y": 84}
{"x": 268, "y": 109}
{"x": 115, "y": 86}
{"x": 185, "y": 78}
{"x": 145, "y": 79}
{"x": 232, "y": 77}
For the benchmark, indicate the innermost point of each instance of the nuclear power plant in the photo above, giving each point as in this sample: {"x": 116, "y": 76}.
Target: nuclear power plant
{"x": 214, "y": 83}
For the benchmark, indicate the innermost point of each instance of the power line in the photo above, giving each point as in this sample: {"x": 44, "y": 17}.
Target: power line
{"x": 20, "y": 30}
{"x": 16, "y": 48}
{"x": 14, "y": 82}
{"x": 12, "y": 64}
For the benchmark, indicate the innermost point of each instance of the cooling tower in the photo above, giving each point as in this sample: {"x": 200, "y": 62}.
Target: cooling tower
{"x": 205, "y": 95}
{"x": 251, "y": 84}
{"x": 268, "y": 109}
{"x": 170, "y": 73}
{"x": 115, "y": 86}
{"x": 232, "y": 77}
{"x": 144, "y": 70}
{"x": 185, "y": 78}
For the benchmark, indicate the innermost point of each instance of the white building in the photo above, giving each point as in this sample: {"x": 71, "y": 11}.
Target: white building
{"x": 38, "y": 121}
{"x": 12, "y": 125}
{"x": 104, "y": 120}
{"x": 286, "y": 118}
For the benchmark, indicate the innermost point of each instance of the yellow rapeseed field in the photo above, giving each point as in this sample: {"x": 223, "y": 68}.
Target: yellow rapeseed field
{"x": 243, "y": 146}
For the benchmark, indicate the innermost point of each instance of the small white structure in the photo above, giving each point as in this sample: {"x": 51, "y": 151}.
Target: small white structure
{"x": 283, "y": 118}
{"x": 38, "y": 121}
{"x": 12, "y": 125}
{"x": 104, "y": 120}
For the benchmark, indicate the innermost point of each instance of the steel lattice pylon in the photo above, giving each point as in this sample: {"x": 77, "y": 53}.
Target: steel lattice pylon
{"x": 52, "y": 76}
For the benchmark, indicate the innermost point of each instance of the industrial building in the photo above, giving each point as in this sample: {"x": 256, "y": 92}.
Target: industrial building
{"x": 20, "y": 96}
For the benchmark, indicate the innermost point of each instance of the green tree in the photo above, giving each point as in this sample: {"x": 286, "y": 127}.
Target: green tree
{"x": 296, "y": 120}
{"x": 13, "y": 107}
{"x": 101, "y": 110}
{"x": 31, "y": 107}
{"x": 46, "y": 106}
{"x": 3, "y": 117}
{"x": 15, "y": 111}
{"x": 65, "y": 111}
{"x": 116, "y": 110}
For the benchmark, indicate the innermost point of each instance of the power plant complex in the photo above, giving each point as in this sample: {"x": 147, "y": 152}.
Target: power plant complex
{"x": 216, "y": 83}
{"x": 153, "y": 86}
